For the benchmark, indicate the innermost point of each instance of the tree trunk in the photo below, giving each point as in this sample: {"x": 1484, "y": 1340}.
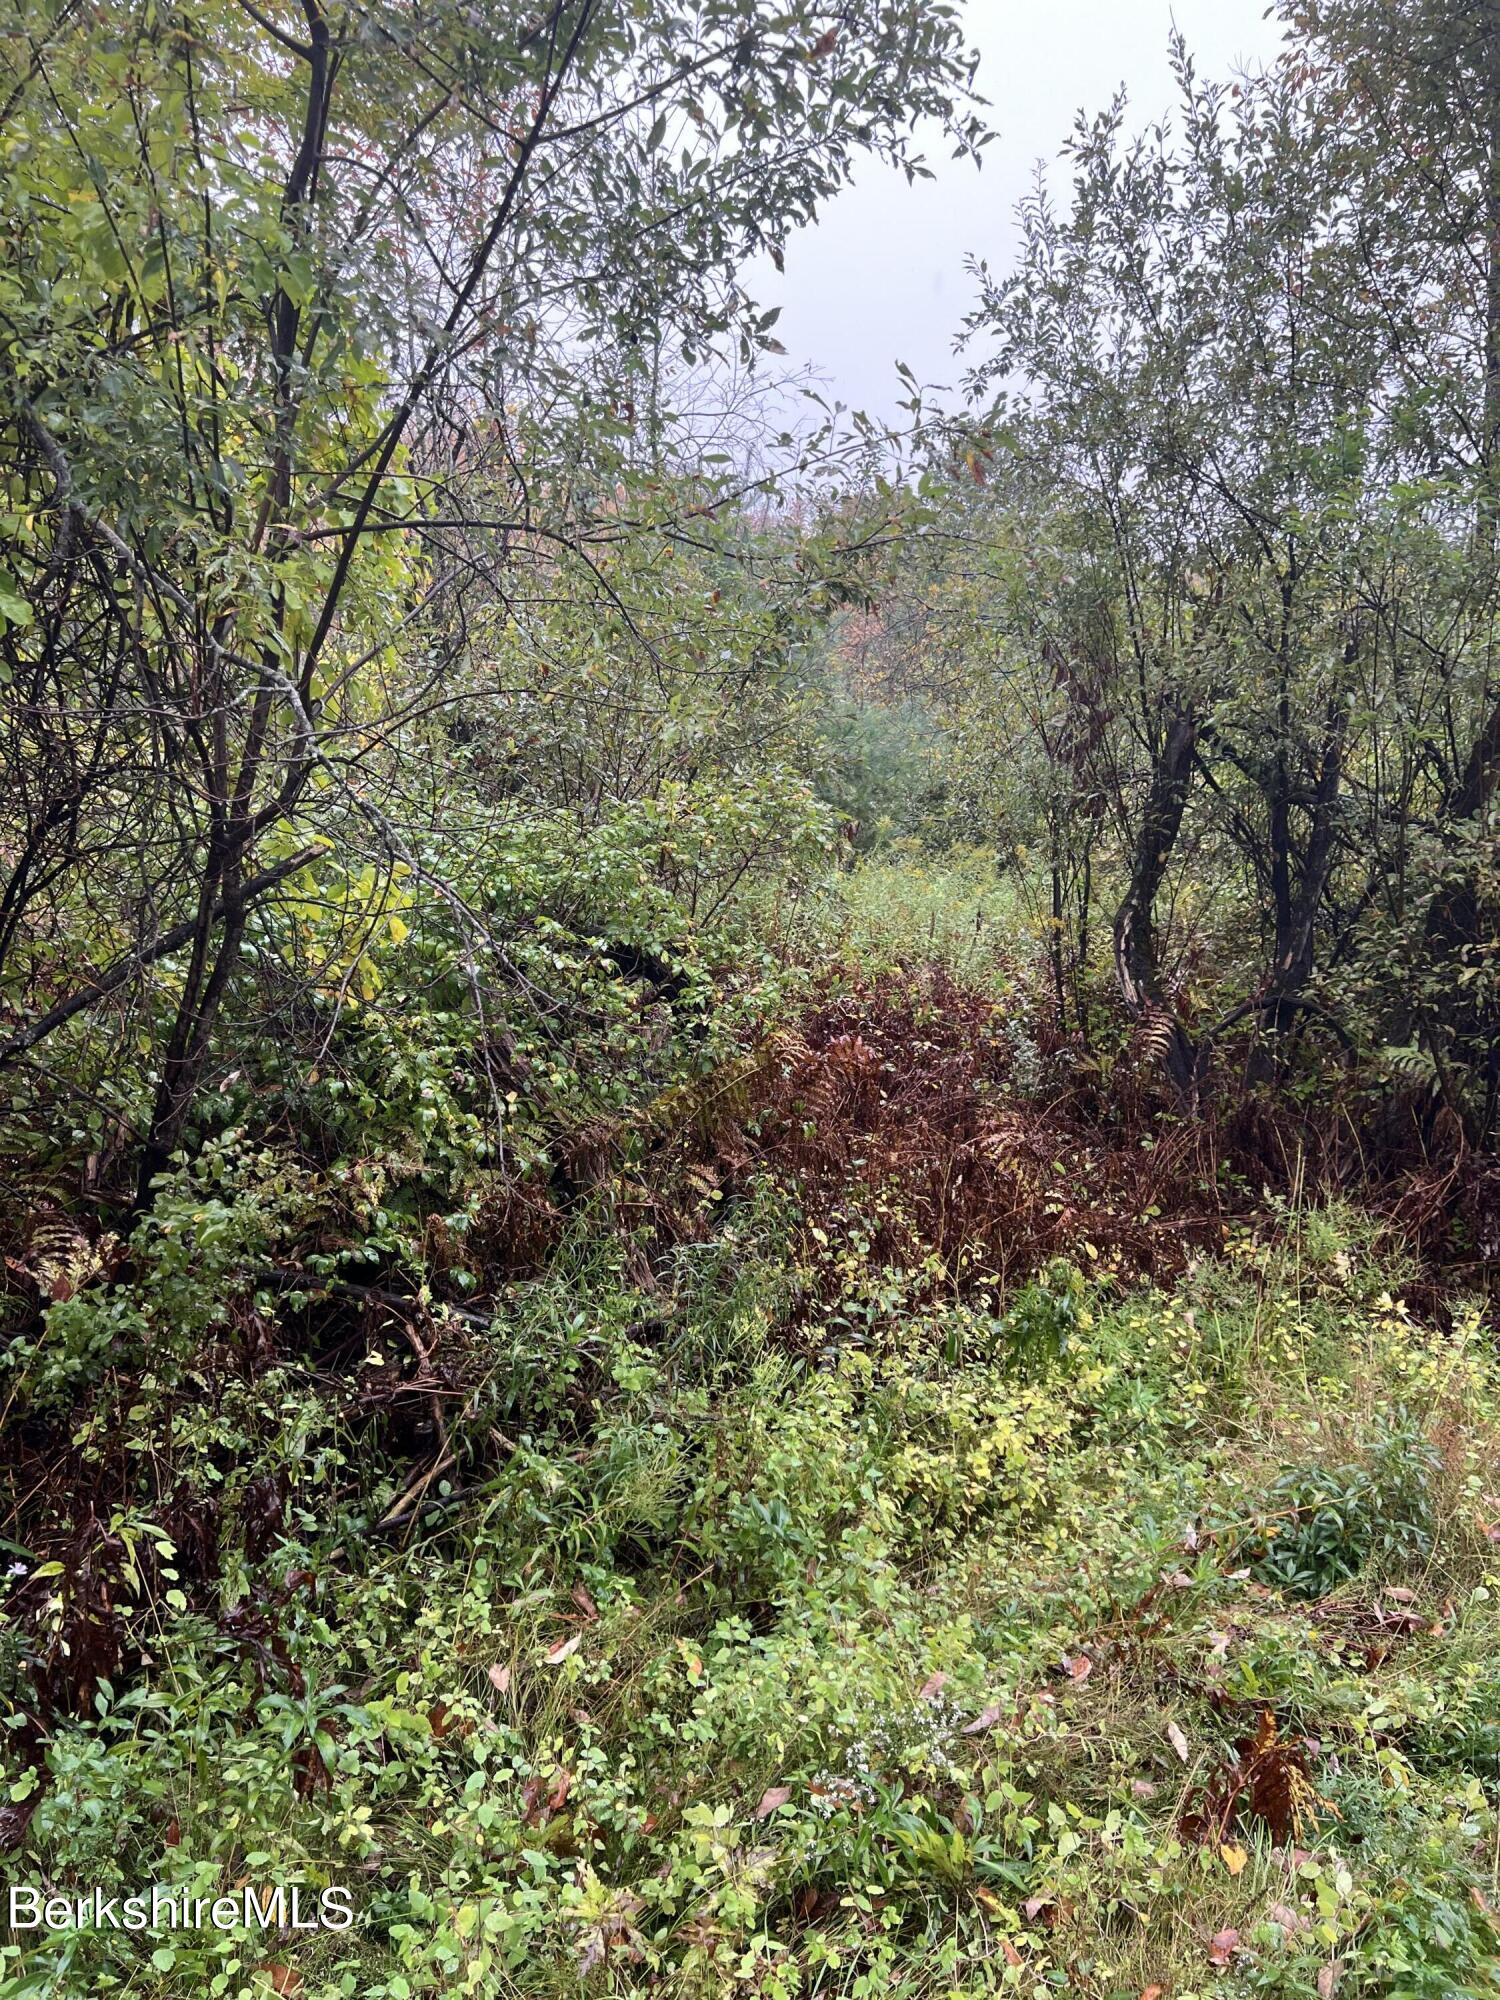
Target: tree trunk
{"x": 1136, "y": 966}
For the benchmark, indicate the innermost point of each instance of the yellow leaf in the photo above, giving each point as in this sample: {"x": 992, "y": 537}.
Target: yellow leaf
{"x": 399, "y": 931}
{"x": 1233, "y": 1858}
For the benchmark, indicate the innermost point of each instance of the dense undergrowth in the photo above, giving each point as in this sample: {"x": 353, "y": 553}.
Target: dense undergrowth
{"x": 748, "y": 1185}
{"x": 896, "y": 1511}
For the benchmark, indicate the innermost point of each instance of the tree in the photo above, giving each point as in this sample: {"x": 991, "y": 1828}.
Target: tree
{"x": 1200, "y": 397}
{"x": 282, "y": 291}
{"x": 1413, "y": 95}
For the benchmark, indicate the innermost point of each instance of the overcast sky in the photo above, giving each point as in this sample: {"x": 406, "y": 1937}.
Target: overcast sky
{"x": 881, "y": 278}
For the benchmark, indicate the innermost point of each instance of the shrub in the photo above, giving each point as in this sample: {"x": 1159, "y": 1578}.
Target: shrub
{"x": 1335, "y": 1520}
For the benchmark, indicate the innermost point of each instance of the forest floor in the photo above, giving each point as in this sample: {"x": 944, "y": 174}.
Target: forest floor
{"x": 924, "y": 1532}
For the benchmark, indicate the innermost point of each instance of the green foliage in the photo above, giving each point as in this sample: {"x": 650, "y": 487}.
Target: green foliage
{"x": 1046, "y": 1317}
{"x": 957, "y": 910}
{"x": 205, "y": 1238}
{"x": 1340, "y": 1518}
{"x": 519, "y": 1403}
{"x": 874, "y": 764}
{"x": 733, "y": 1668}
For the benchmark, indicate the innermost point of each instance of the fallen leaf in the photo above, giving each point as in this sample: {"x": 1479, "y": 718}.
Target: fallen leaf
{"x": 1234, "y": 1858}
{"x": 1080, "y": 1667}
{"x": 585, "y": 1603}
{"x": 500, "y": 1678}
{"x": 1012, "y": 1956}
{"x": 283, "y": 1978}
{"x": 1400, "y": 1593}
{"x": 1328, "y": 1976}
{"x": 1034, "y": 1905}
{"x": 1222, "y": 1946}
{"x": 1152, "y": 1992}
{"x": 1178, "y": 1741}
{"x": 934, "y": 1684}
{"x": 986, "y": 1719}
{"x": 555, "y": 1655}
{"x": 772, "y": 1797}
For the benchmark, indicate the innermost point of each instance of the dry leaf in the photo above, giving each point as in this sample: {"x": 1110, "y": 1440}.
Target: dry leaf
{"x": 1223, "y": 1946}
{"x": 283, "y": 1978}
{"x": 1012, "y": 1956}
{"x": 500, "y": 1678}
{"x": 1178, "y": 1741}
{"x": 1080, "y": 1667}
{"x": 934, "y": 1684}
{"x": 1152, "y": 1992}
{"x": 585, "y": 1603}
{"x": 555, "y": 1655}
{"x": 1234, "y": 1858}
{"x": 772, "y": 1797}
{"x": 1327, "y": 1979}
{"x": 986, "y": 1719}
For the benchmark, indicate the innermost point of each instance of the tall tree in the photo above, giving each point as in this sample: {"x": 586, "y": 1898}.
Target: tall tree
{"x": 282, "y": 290}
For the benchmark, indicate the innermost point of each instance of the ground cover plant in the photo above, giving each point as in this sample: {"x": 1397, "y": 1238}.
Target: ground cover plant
{"x": 812, "y": 1579}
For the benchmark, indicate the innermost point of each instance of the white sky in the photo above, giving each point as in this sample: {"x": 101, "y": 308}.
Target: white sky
{"x": 881, "y": 278}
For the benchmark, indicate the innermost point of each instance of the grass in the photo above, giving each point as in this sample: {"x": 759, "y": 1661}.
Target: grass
{"x": 959, "y": 910}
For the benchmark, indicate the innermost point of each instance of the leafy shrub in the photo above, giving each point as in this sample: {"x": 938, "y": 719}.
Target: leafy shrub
{"x": 1335, "y": 1520}
{"x": 201, "y": 1244}
{"x": 875, "y": 764}
{"x": 1048, "y": 1312}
